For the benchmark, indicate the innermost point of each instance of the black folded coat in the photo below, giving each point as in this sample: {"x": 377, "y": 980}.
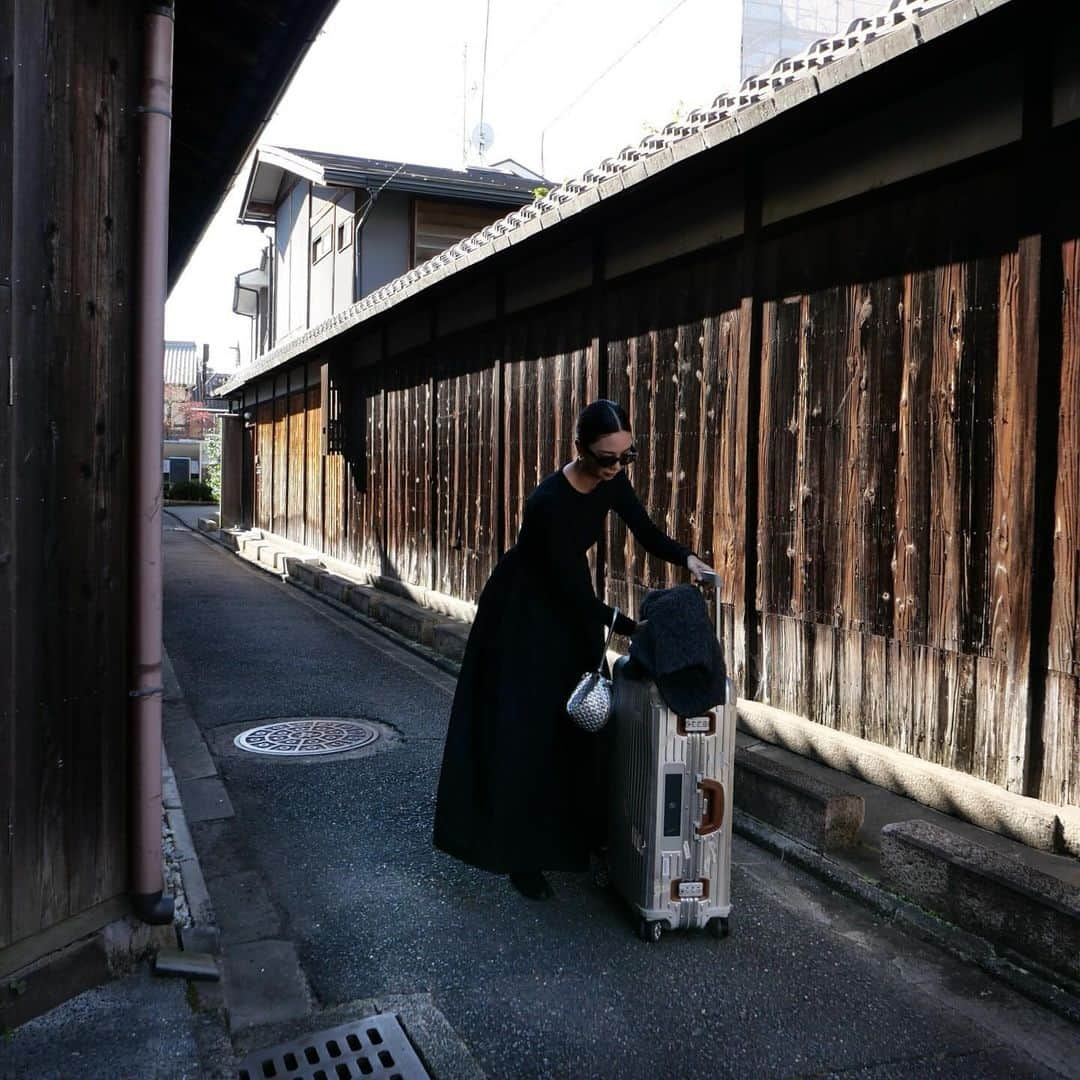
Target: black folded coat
{"x": 678, "y": 650}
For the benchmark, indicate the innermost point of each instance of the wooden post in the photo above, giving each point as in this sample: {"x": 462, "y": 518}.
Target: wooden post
{"x": 434, "y": 365}
{"x": 383, "y": 370}
{"x": 304, "y": 532}
{"x": 1029, "y": 399}
{"x": 500, "y": 405}
{"x": 745, "y": 650}
{"x": 598, "y": 306}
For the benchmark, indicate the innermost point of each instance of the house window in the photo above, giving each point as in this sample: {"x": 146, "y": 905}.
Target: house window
{"x": 437, "y": 226}
{"x": 320, "y": 246}
{"x": 344, "y": 235}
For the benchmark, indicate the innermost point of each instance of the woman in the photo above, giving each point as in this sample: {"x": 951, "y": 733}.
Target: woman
{"x": 520, "y": 790}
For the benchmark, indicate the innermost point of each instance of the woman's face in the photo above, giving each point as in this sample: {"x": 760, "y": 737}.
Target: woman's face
{"x": 614, "y": 444}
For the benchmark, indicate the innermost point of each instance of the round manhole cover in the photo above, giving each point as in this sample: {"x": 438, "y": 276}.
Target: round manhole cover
{"x": 299, "y": 737}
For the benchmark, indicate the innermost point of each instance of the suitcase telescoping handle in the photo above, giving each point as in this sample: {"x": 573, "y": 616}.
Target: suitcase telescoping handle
{"x": 713, "y": 578}
{"x": 712, "y": 816}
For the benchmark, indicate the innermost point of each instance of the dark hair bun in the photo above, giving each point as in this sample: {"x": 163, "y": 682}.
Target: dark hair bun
{"x": 602, "y": 417}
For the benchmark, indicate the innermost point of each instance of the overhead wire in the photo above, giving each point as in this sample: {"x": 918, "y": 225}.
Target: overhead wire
{"x": 603, "y": 74}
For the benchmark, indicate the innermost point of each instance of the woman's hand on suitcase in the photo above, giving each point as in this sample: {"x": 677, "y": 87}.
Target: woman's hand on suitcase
{"x": 699, "y": 569}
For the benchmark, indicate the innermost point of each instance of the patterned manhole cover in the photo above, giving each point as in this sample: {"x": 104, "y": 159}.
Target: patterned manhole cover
{"x": 299, "y": 737}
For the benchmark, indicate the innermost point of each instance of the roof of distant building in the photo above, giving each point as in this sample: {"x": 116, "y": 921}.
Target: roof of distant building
{"x": 273, "y": 163}
{"x": 182, "y": 363}
{"x": 826, "y": 63}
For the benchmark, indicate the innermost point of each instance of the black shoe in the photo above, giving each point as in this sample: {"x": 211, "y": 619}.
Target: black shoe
{"x": 532, "y": 884}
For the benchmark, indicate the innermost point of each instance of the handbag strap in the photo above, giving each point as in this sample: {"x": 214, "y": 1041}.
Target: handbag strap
{"x": 607, "y": 641}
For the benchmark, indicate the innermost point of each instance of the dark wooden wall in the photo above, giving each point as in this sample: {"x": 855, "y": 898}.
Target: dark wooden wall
{"x": 842, "y": 412}
{"x": 68, "y": 86}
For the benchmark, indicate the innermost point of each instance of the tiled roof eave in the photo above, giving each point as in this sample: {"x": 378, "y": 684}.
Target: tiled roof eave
{"x": 791, "y": 82}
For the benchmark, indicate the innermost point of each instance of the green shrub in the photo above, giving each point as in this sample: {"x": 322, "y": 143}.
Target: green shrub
{"x": 189, "y": 491}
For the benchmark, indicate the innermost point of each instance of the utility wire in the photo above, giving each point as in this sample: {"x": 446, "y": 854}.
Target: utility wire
{"x": 528, "y": 38}
{"x": 611, "y": 67}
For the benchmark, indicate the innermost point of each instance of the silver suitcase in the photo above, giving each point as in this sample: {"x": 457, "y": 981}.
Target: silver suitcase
{"x": 669, "y": 843}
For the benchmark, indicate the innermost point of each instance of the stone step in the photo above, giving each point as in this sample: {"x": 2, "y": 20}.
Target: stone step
{"x": 989, "y": 894}
{"x": 821, "y": 815}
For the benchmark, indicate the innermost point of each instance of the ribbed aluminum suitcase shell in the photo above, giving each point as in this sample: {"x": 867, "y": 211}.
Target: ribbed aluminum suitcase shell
{"x": 668, "y": 784}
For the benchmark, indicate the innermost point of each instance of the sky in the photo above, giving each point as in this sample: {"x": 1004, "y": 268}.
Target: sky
{"x": 403, "y": 81}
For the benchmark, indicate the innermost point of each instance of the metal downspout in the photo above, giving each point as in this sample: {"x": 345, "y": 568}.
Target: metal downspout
{"x": 155, "y": 129}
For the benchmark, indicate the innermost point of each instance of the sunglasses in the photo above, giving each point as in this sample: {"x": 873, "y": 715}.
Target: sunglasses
{"x": 609, "y": 461}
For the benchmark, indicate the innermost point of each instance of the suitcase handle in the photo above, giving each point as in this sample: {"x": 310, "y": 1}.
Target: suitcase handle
{"x": 713, "y": 579}
{"x": 713, "y": 817}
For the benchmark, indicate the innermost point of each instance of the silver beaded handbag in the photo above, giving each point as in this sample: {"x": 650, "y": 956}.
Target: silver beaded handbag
{"x": 590, "y": 703}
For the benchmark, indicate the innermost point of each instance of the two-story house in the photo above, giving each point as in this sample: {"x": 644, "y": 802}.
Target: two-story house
{"x": 344, "y": 226}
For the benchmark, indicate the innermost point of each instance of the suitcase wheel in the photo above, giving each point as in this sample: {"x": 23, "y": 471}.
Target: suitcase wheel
{"x": 719, "y": 927}
{"x": 650, "y": 930}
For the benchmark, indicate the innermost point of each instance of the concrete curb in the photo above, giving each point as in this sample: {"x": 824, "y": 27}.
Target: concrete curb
{"x": 446, "y": 647}
{"x": 414, "y": 614}
{"x": 1030, "y": 821}
{"x": 1017, "y": 972}
{"x": 823, "y": 815}
{"x": 1013, "y": 905}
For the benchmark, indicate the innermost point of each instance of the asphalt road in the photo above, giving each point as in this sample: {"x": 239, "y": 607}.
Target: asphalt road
{"x": 808, "y": 984}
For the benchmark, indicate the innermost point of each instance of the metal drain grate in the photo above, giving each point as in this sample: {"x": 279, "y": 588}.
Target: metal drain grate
{"x": 297, "y": 737}
{"x": 376, "y": 1047}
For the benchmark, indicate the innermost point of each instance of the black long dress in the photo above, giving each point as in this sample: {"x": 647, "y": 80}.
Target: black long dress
{"x": 520, "y": 788}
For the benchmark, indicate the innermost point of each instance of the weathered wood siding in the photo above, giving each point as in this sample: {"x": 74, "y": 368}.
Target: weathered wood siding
{"x": 466, "y": 497}
{"x": 313, "y": 471}
{"x": 409, "y": 477}
{"x": 677, "y": 362}
{"x": 364, "y": 462}
{"x": 1060, "y": 777}
{"x": 264, "y": 465}
{"x": 67, "y": 224}
{"x": 840, "y": 411}
{"x": 889, "y": 365}
{"x": 297, "y": 474}
{"x": 550, "y": 375}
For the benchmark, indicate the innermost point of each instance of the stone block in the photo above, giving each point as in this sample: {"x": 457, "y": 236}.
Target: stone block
{"x": 205, "y": 800}
{"x": 989, "y": 894}
{"x": 416, "y": 593}
{"x": 305, "y": 571}
{"x": 334, "y": 586}
{"x": 449, "y": 638}
{"x": 363, "y": 598}
{"x": 208, "y": 524}
{"x": 1028, "y": 820}
{"x": 819, "y": 814}
{"x": 405, "y": 617}
{"x": 264, "y": 984}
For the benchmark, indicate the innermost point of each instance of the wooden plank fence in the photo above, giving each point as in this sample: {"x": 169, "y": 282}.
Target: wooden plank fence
{"x": 839, "y": 412}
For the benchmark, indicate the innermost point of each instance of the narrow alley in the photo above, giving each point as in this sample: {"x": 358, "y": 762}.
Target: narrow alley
{"x": 334, "y": 858}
